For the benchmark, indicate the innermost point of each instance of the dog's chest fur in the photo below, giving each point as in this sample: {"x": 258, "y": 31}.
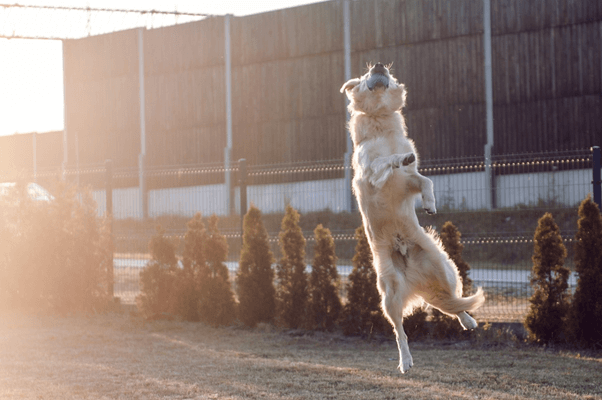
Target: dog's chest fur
{"x": 375, "y": 137}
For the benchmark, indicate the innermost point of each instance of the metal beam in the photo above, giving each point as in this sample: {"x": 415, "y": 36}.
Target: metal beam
{"x": 596, "y": 180}
{"x": 142, "y": 155}
{"x": 488, "y": 103}
{"x": 349, "y": 201}
{"x": 228, "y": 149}
{"x": 65, "y": 127}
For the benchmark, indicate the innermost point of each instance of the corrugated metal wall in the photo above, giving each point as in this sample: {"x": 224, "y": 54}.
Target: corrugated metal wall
{"x": 16, "y": 153}
{"x": 185, "y": 93}
{"x": 287, "y": 70}
{"x": 547, "y": 67}
{"x": 436, "y": 47}
{"x": 288, "y": 65}
{"x": 101, "y": 99}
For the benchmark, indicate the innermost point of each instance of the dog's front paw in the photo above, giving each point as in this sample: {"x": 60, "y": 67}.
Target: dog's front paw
{"x": 429, "y": 206}
{"x": 403, "y": 160}
{"x": 408, "y": 159}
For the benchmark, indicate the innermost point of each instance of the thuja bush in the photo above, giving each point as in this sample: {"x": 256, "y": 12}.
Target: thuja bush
{"x": 187, "y": 293}
{"x": 157, "y": 298}
{"x": 549, "y": 303}
{"x": 198, "y": 289}
{"x": 584, "y": 322}
{"x": 255, "y": 280}
{"x": 217, "y": 304}
{"x": 324, "y": 301}
{"x": 54, "y": 254}
{"x": 291, "y": 287}
{"x": 445, "y": 326}
{"x": 362, "y": 314}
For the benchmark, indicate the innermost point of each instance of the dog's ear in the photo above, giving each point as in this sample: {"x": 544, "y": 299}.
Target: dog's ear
{"x": 350, "y": 84}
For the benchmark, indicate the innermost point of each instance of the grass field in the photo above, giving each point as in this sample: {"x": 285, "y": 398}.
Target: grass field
{"x": 122, "y": 357}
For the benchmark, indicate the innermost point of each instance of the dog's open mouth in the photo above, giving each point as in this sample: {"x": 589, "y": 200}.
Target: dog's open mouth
{"x": 377, "y": 80}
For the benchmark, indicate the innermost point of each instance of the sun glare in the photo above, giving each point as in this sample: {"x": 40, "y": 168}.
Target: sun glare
{"x": 31, "y": 86}
{"x": 31, "y": 71}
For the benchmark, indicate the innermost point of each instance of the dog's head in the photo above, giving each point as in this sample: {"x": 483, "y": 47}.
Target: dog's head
{"x": 375, "y": 93}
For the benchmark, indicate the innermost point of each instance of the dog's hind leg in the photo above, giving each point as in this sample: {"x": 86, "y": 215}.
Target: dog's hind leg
{"x": 392, "y": 288}
{"x": 392, "y": 303}
{"x": 442, "y": 289}
{"x": 466, "y": 320}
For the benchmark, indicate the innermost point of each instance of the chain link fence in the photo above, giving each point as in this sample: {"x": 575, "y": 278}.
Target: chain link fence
{"x": 498, "y": 242}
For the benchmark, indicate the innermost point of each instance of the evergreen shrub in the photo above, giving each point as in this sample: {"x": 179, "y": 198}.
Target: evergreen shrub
{"x": 255, "y": 280}
{"x": 362, "y": 314}
{"x": 55, "y": 254}
{"x": 584, "y": 322}
{"x": 157, "y": 298}
{"x": 194, "y": 271}
{"x": 218, "y": 306}
{"x": 325, "y": 303}
{"x": 291, "y": 289}
{"x": 549, "y": 303}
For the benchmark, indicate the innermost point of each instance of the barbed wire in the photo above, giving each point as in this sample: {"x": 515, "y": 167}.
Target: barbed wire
{"x": 58, "y": 22}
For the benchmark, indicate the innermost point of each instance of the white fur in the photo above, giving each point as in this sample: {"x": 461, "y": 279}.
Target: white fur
{"x": 410, "y": 262}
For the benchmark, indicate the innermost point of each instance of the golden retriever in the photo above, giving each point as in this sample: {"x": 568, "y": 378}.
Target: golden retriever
{"x": 410, "y": 262}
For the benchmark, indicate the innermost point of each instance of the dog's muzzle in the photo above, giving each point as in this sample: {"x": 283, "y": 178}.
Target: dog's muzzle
{"x": 377, "y": 80}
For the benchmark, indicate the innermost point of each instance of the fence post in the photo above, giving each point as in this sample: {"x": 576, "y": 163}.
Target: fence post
{"x": 596, "y": 181}
{"x": 242, "y": 170}
{"x": 349, "y": 198}
{"x": 489, "y": 173}
{"x": 109, "y": 216}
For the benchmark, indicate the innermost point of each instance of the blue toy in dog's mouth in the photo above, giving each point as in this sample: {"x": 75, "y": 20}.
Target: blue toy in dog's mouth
{"x": 377, "y": 80}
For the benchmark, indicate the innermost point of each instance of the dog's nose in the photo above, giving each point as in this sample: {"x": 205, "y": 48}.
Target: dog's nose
{"x": 378, "y": 69}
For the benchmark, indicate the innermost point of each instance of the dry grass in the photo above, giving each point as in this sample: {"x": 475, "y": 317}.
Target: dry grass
{"x": 119, "y": 357}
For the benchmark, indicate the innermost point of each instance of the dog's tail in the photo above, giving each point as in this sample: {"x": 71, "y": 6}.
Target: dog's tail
{"x": 454, "y": 305}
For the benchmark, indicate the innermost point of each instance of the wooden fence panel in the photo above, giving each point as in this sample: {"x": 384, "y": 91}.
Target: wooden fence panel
{"x": 288, "y": 65}
{"x": 16, "y": 155}
{"x": 101, "y": 99}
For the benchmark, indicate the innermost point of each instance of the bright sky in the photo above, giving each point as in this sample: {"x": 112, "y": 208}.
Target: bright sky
{"x": 31, "y": 71}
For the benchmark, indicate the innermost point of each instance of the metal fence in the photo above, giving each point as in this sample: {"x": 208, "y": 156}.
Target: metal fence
{"x": 497, "y": 216}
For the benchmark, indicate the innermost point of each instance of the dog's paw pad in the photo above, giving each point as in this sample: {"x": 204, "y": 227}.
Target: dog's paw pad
{"x": 408, "y": 159}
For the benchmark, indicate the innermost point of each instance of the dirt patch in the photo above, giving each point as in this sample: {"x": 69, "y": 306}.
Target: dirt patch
{"x": 118, "y": 357}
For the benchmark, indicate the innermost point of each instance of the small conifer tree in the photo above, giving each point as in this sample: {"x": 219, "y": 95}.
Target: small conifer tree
{"x": 445, "y": 326}
{"x": 549, "y": 302}
{"x": 255, "y": 280}
{"x": 54, "y": 256}
{"x": 584, "y": 323}
{"x": 194, "y": 270}
{"x": 292, "y": 278}
{"x": 325, "y": 304}
{"x": 216, "y": 297}
{"x": 157, "y": 280}
{"x": 362, "y": 314}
